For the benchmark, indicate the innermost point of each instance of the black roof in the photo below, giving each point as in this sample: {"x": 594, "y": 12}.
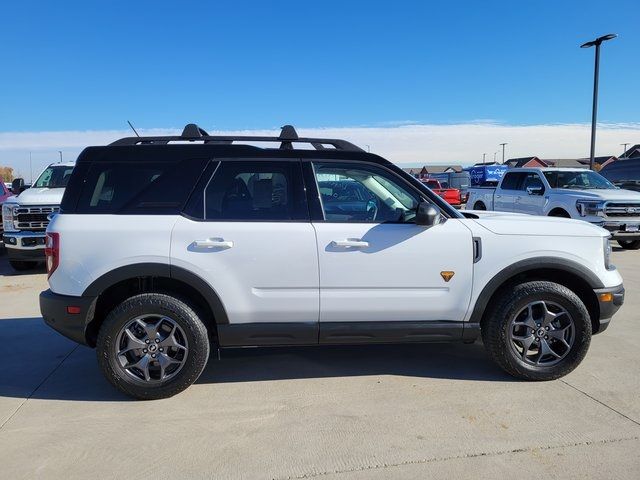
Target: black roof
{"x": 287, "y": 138}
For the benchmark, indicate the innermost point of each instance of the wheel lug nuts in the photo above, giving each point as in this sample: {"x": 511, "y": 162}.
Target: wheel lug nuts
{"x": 153, "y": 355}
{"x": 146, "y": 341}
{"x": 546, "y": 337}
{"x": 144, "y": 350}
{"x": 547, "y": 328}
{"x": 157, "y": 341}
{"x": 161, "y": 349}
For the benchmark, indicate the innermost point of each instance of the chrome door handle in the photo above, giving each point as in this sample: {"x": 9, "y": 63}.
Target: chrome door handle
{"x": 498, "y": 196}
{"x": 350, "y": 243}
{"x": 213, "y": 243}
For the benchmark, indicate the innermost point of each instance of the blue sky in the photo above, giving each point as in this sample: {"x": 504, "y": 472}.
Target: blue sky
{"x": 252, "y": 65}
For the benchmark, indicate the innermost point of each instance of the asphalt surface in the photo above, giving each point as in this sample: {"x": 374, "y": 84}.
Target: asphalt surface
{"x": 414, "y": 412}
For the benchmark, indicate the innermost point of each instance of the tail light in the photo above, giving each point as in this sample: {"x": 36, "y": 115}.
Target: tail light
{"x": 52, "y": 252}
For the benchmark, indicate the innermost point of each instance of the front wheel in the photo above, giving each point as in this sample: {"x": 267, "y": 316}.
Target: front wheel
{"x": 152, "y": 346}
{"x": 629, "y": 244}
{"x": 537, "y": 331}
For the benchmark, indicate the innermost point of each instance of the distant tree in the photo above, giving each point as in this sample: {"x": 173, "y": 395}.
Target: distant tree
{"x": 6, "y": 174}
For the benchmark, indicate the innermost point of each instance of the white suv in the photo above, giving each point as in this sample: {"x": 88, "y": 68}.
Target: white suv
{"x": 167, "y": 247}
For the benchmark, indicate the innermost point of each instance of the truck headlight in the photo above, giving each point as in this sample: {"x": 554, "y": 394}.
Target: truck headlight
{"x": 607, "y": 253}
{"x": 589, "y": 207}
{"x": 8, "y": 217}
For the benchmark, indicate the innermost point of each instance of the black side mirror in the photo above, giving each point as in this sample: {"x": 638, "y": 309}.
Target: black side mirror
{"x": 428, "y": 214}
{"x": 17, "y": 186}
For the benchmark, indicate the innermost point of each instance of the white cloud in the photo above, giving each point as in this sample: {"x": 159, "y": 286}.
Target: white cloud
{"x": 405, "y": 144}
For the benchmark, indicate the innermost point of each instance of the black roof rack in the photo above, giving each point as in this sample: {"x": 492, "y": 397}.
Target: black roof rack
{"x": 288, "y": 137}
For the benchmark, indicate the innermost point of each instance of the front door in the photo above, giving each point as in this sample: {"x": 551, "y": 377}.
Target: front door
{"x": 377, "y": 267}
{"x": 256, "y": 247}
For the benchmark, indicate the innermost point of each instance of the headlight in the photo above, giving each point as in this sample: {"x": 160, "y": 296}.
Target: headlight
{"x": 607, "y": 253}
{"x": 7, "y": 217}
{"x": 589, "y": 207}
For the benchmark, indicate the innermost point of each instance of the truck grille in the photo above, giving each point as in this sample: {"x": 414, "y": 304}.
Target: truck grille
{"x": 622, "y": 209}
{"x": 33, "y": 218}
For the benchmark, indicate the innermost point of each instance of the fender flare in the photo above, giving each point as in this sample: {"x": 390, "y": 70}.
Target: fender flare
{"x": 530, "y": 264}
{"x": 139, "y": 270}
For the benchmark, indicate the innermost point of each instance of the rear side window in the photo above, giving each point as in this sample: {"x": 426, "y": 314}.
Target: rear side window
{"x": 256, "y": 191}
{"x": 512, "y": 180}
{"x": 139, "y": 187}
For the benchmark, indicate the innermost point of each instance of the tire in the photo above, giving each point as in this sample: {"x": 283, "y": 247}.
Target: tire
{"x": 479, "y": 206}
{"x": 629, "y": 244}
{"x": 559, "y": 213}
{"x": 180, "y": 338}
{"x": 21, "y": 265}
{"x": 508, "y": 315}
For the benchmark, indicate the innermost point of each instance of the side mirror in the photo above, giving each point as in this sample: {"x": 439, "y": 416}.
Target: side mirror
{"x": 535, "y": 190}
{"x": 17, "y": 186}
{"x": 428, "y": 215}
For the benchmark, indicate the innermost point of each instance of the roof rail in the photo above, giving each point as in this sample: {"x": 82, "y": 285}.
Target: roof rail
{"x": 287, "y": 138}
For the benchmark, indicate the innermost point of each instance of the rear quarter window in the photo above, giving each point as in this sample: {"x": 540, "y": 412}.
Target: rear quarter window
{"x": 139, "y": 187}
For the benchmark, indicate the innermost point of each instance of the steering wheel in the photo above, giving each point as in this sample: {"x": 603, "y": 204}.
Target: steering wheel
{"x": 372, "y": 210}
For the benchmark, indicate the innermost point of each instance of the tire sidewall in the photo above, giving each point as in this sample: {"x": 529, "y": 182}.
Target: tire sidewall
{"x": 151, "y": 304}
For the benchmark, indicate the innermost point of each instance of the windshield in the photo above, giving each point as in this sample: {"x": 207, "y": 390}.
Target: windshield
{"x": 54, "y": 177}
{"x": 583, "y": 180}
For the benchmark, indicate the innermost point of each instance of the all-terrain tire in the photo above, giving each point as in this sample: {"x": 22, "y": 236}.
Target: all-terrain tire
{"x": 479, "y": 206}
{"x": 629, "y": 244}
{"x": 510, "y": 301}
{"x": 178, "y": 311}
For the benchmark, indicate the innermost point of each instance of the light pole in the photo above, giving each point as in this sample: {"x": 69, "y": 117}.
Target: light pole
{"x": 625, "y": 148}
{"x": 484, "y": 155}
{"x": 368, "y": 148}
{"x": 30, "y": 170}
{"x": 503, "y": 144}
{"x": 594, "y": 112}
{"x": 60, "y": 152}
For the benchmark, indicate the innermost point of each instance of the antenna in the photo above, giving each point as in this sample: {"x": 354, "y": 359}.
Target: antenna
{"x": 134, "y": 130}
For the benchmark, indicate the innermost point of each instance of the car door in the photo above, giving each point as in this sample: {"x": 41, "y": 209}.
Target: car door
{"x": 247, "y": 233}
{"x": 532, "y": 194}
{"x": 382, "y": 277}
{"x": 506, "y": 197}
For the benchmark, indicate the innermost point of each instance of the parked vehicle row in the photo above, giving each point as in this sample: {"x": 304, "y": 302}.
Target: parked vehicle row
{"x": 565, "y": 192}
{"x": 169, "y": 247}
{"x": 450, "y": 195}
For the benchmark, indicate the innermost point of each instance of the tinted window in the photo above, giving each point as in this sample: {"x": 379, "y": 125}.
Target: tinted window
{"x": 256, "y": 190}
{"x": 144, "y": 187}
{"x": 363, "y": 193}
{"x": 512, "y": 180}
{"x": 532, "y": 180}
{"x": 54, "y": 177}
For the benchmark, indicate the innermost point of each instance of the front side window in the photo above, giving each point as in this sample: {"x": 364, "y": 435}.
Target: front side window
{"x": 255, "y": 191}
{"x": 532, "y": 180}
{"x": 363, "y": 193}
{"x": 54, "y": 177}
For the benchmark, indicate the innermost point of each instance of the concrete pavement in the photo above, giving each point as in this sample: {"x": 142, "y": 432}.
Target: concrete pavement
{"x": 416, "y": 411}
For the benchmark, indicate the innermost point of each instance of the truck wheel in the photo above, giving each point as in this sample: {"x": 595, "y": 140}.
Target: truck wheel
{"x": 479, "y": 206}
{"x": 629, "y": 244}
{"x": 537, "y": 331}
{"x": 558, "y": 212}
{"x": 21, "y": 265}
{"x": 152, "y": 346}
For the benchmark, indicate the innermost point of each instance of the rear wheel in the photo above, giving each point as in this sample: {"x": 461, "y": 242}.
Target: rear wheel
{"x": 21, "y": 265}
{"x": 152, "y": 346}
{"x": 479, "y": 206}
{"x": 537, "y": 331}
{"x": 629, "y": 244}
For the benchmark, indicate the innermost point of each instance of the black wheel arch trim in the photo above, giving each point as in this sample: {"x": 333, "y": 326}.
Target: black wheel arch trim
{"x": 141, "y": 270}
{"x": 528, "y": 265}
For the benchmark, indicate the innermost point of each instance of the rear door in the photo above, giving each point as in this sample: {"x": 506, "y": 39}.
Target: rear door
{"x": 506, "y": 196}
{"x": 248, "y": 235}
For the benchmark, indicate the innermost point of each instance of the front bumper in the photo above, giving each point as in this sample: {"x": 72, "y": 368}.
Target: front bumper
{"x": 621, "y": 229}
{"x": 54, "y": 309}
{"x": 610, "y": 300}
{"x": 25, "y": 245}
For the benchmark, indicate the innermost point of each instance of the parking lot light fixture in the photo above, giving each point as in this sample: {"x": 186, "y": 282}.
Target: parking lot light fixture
{"x": 594, "y": 112}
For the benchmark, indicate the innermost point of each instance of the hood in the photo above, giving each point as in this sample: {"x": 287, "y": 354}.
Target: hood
{"x": 609, "y": 194}
{"x": 40, "y": 196}
{"x": 531, "y": 225}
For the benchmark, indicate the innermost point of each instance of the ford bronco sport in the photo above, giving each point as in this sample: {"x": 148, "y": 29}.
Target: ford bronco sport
{"x": 168, "y": 247}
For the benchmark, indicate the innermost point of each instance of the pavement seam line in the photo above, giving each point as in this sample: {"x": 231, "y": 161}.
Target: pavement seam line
{"x": 459, "y": 457}
{"x": 39, "y": 385}
{"x": 601, "y": 403}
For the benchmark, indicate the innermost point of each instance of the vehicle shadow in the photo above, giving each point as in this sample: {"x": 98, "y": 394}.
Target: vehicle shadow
{"x": 7, "y": 271}
{"x": 58, "y": 369}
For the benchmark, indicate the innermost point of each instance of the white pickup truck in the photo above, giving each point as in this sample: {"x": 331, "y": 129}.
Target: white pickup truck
{"x": 26, "y": 216}
{"x": 565, "y": 192}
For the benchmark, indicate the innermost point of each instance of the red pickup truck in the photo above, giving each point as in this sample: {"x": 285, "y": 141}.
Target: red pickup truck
{"x": 450, "y": 195}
